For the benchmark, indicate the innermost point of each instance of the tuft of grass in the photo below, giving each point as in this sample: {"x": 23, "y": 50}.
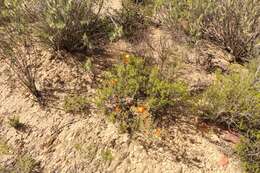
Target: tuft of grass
{"x": 4, "y": 148}
{"x": 25, "y": 164}
{"x": 131, "y": 22}
{"x": 76, "y": 104}
{"x": 20, "y": 54}
{"x": 88, "y": 152}
{"x": 106, "y": 155}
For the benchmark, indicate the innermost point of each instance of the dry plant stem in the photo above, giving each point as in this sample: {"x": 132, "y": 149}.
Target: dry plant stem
{"x": 23, "y": 64}
{"x": 163, "y": 52}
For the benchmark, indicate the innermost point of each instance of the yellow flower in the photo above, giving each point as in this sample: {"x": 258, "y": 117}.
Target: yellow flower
{"x": 157, "y": 132}
{"x": 141, "y": 109}
{"x": 117, "y": 109}
{"x": 126, "y": 59}
{"x": 113, "y": 81}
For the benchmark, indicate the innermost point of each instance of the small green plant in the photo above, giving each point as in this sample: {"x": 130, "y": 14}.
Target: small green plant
{"x": 134, "y": 94}
{"x": 25, "y": 164}
{"x": 15, "y": 123}
{"x": 76, "y": 104}
{"x": 87, "y": 151}
{"x": 88, "y": 65}
{"x": 4, "y": 148}
{"x": 106, "y": 155}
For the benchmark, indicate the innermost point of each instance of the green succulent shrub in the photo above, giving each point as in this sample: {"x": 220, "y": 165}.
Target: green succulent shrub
{"x": 134, "y": 94}
{"x": 72, "y": 25}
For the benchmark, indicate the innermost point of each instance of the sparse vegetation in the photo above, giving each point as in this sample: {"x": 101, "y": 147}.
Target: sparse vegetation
{"x": 4, "y": 148}
{"x": 22, "y": 163}
{"x": 87, "y": 151}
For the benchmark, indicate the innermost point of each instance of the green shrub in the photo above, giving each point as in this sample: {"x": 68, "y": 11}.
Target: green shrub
{"x": 233, "y": 24}
{"x": 7, "y": 9}
{"x": 186, "y": 15}
{"x": 132, "y": 21}
{"x": 249, "y": 152}
{"x": 14, "y": 15}
{"x": 233, "y": 100}
{"x": 72, "y": 25}
{"x": 134, "y": 94}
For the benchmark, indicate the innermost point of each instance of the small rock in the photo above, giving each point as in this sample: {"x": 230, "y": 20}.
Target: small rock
{"x": 223, "y": 161}
{"x": 230, "y": 137}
